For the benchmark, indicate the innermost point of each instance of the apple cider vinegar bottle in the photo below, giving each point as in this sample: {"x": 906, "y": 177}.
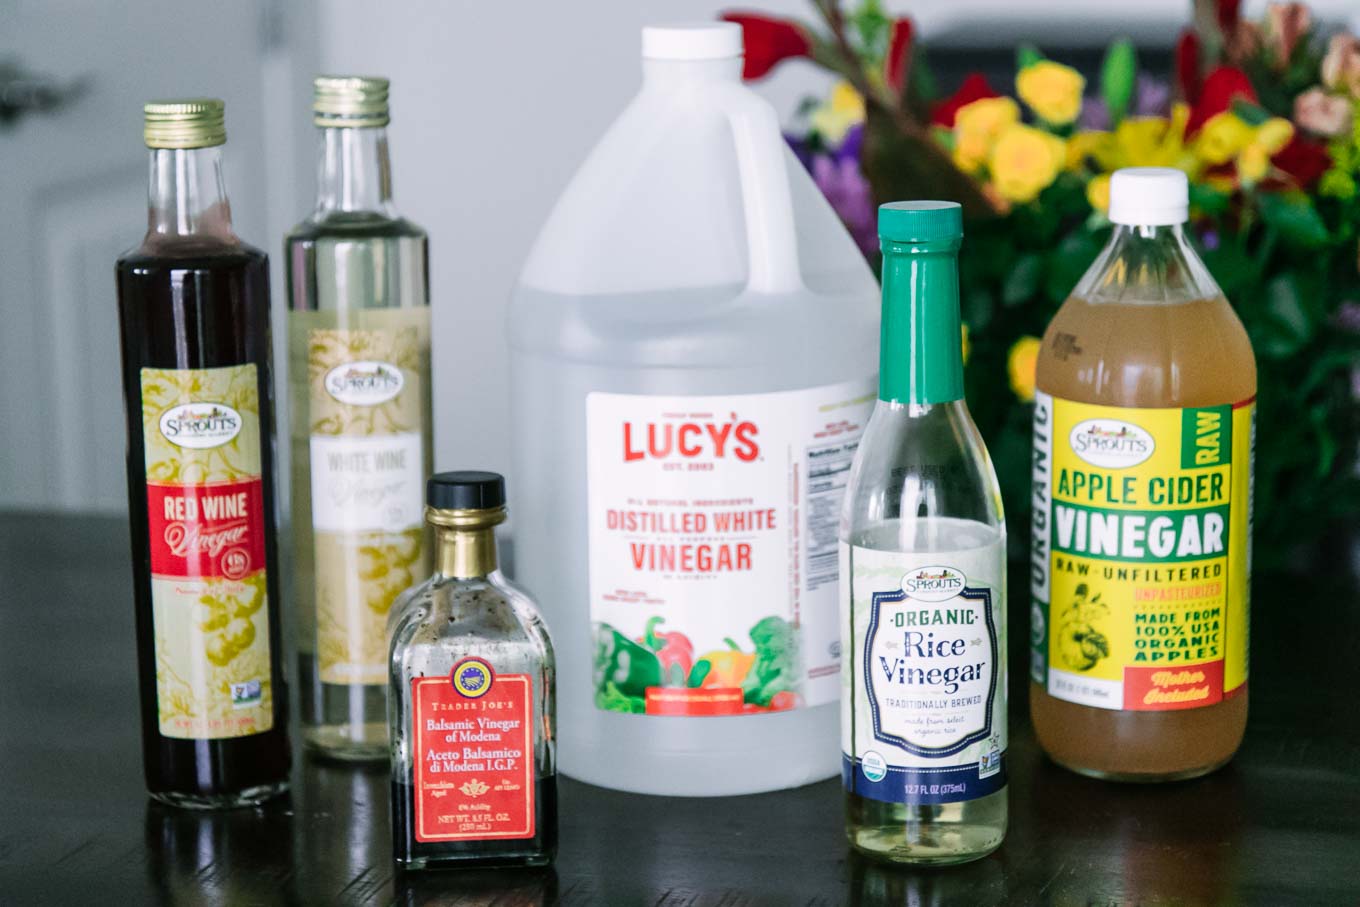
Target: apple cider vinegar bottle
{"x": 359, "y": 379}
{"x": 1143, "y": 428}
{"x": 923, "y": 578}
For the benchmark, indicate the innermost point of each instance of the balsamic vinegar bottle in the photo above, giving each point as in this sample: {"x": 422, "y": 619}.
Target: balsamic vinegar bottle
{"x": 359, "y": 385}
{"x": 193, "y": 305}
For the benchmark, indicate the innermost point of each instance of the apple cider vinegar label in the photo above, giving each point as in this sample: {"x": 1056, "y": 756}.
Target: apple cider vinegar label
{"x": 713, "y": 533}
{"x": 205, "y": 509}
{"x": 367, "y": 490}
{"x": 1141, "y": 553}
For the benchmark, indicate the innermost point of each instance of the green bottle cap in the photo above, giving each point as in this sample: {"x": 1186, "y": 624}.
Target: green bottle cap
{"x": 921, "y": 355}
{"x": 923, "y": 221}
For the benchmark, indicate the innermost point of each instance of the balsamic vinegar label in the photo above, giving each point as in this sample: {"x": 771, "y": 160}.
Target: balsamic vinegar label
{"x": 368, "y": 472}
{"x": 205, "y": 510}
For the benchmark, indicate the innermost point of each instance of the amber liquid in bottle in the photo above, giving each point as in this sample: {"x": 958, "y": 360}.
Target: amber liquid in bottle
{"x": 192, "y": 296}
{"x": 1157, "y": 333}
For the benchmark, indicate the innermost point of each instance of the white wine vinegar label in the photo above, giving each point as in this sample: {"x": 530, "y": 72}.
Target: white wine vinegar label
{"x": 713, "y": 531}
{"x": 205, "y": 513}
{"x": 923, "y": 718}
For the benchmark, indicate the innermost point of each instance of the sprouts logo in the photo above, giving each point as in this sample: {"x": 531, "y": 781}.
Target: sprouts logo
{"x": 933, "y": 584}
{"x": 364, "y": 383}
{"x": 200, "y": 426}
{"x": 1110, "y": 443}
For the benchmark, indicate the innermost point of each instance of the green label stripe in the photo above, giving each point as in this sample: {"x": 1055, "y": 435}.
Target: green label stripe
{"x": 1144, "y": 536}
{"x": 1206, "y": 436}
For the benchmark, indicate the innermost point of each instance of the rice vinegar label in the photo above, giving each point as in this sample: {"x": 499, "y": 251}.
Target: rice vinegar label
{"x": 1141, "y": 553}
{"x": 712, "y": 535}
{"x": 472, "y": 745}
{"x": 923, "y": 715}
{"x": 205, "y": 510}
{"x": 368, "y": 472}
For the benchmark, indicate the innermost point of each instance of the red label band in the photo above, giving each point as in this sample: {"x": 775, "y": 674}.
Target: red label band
{"x": 473, "y": 756}
{"x": 206, "y": 530}
{"x": 1163, "y": 689}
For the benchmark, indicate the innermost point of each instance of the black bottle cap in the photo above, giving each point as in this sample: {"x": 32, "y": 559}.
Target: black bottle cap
{"x": 466, "y": 489}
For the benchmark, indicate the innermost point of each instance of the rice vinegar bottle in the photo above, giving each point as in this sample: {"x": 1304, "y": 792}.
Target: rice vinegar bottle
{"x": 1143, "y": 427}
{"x": 359, "y": 379}
{"x": 923, "y": 578}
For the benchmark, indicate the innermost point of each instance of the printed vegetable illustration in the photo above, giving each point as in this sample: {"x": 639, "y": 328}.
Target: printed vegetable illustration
{"x": 624, "y": 669}
{"x": 673, "y": 650}
{"x": 776, "y": 668}
{"x": 722, "y": 667}
{"x": 225, "y": 620}
{"x": 1080, "y": 645}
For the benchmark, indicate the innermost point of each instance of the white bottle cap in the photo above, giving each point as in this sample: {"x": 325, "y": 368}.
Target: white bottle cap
{"x": 692, "y": 41}
{"x": 1150, "y": 196}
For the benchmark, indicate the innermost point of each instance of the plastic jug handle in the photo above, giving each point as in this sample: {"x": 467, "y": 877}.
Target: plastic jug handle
{"x": 772, "y": 247}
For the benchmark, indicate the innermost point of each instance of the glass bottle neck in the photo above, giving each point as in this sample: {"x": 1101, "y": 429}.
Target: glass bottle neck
{"x": 465, "y": 553}
{"x": 1149, "y": 265}
{"x": 354, "y": 172}
{"x": 187, "y": 196}
{"x": 921, "y": 356}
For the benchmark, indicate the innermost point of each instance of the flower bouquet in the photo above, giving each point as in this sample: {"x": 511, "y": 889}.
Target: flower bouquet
{"x": 1261, "y": 116}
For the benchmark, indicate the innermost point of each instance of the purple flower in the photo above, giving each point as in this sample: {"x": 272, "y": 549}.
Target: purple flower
{"x": 1151, "y": 98}
{"x": 850, "y": 196}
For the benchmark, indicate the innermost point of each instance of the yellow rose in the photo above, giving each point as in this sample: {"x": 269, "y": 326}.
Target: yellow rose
{"x": 976, "y": 128}
{"x": 1253, "y": 163}
{"x": 1098, "y": 193}
{"x": 1024, "y": 355}
{"x": 1222, "y": 138}
{"x": 841, "y": 111}
{"x": 1084, "y": 145}
{"x": 1274, "y": 134}
{"x": 1051, "y": 90}
{"x": 1025, "y": 161}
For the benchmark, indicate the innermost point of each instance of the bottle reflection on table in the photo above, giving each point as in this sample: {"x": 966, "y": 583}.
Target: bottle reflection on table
{"x": 343, "y": 841}
{"x": 875, "y": 884}
{"x": 533, "y": 887}
{"x": 219, "y": 859}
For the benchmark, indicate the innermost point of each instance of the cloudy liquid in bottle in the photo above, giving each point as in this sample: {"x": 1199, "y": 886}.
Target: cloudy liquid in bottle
{"x": 1142, "y": 477}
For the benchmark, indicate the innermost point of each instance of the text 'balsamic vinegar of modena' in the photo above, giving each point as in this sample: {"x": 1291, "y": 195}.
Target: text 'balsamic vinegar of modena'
{"x": 923, "y": 578}
{"x": 194, "y": 310}
{"x": 359, "y": 389}
{"x": 1143, "y": 427}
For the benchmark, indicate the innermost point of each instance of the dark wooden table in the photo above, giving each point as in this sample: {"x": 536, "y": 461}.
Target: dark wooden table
{"x": 1280, "y": 826}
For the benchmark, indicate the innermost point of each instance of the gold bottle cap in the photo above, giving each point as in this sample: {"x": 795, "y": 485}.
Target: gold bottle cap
{"x": 188, "y": 123}
{"x": 353, "y": 101}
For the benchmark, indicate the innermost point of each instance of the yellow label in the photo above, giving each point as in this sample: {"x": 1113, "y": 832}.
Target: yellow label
{"x": 206, "y": 516}
{"x": 368, "y": 450}
{"x": 1141, "y": 553}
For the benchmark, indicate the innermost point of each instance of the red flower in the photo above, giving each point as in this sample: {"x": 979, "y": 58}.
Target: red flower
{"x": 974, "y": 88}
{"x": 899, "y": 55}
{"x": 1304, "y": 160}
{"x": 1187, "y": 66}
{"x": 1222, "y": 86}
{"x": 1228, "y": 12}
{"x": 769, "y": 41}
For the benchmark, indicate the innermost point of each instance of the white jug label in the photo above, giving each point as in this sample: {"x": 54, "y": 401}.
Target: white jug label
{"x": 713, "y": 547}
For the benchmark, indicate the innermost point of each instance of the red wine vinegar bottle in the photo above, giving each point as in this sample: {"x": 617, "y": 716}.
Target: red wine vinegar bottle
{"x": 193, "y": 303}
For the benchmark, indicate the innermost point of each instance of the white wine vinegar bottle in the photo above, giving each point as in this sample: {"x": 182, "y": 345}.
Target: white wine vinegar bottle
{"x": 359, "y": 378}
{"x": 923, "y": 577}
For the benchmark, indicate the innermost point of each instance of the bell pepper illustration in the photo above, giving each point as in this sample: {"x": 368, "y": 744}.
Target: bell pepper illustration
{"x": 624, "y": 669}
{"x": 673, "y": 650}
{"x": 722, "y": 667}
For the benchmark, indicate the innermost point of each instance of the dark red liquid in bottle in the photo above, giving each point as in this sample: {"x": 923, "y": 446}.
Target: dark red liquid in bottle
{"x": 190, "y": 305}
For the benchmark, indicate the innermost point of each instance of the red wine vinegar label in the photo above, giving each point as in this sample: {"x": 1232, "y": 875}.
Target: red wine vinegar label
{"x": 473, "y": 754}
{"x": 206, "y": 519}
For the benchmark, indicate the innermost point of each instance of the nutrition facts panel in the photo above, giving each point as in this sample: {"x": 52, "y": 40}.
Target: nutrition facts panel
{"x": 828, "y": 473}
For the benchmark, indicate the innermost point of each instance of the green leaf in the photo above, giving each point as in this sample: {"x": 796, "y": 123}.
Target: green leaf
{"x": 1022, "y": 283}
{"x": 1294, "y": 216}
{"x": 1249, "y": 113}
{"x": 1286, "y": 326}
{"x": 1208, "y": 200}
{"x": 1026, "y": 55}
{"x": 1118, "y": 75}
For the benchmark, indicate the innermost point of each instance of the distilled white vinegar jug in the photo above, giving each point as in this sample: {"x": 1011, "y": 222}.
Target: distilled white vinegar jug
{"x": 694, "y": 352}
